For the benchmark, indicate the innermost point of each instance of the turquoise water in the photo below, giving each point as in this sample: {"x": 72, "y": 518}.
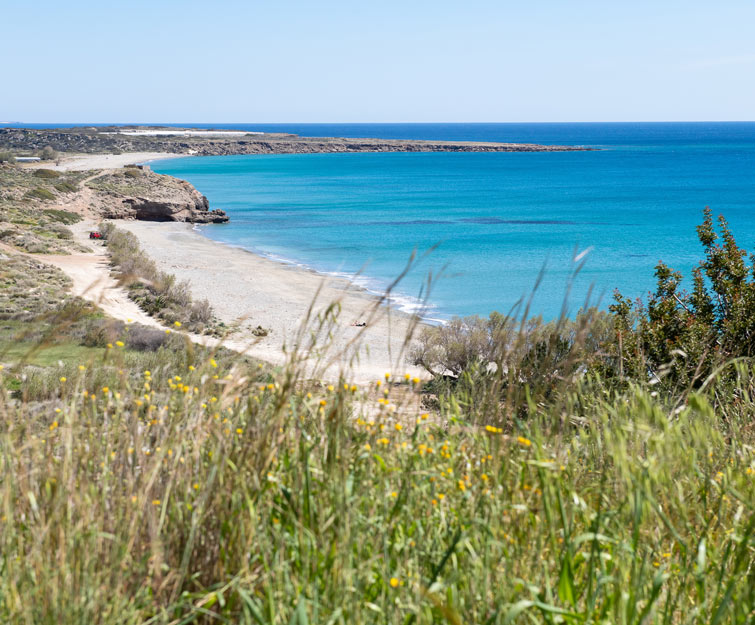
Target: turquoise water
{"x": 497, "y": 219}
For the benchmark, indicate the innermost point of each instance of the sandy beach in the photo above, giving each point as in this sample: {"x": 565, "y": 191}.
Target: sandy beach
{"x": 247, "y": 291}
{"x": 254, "y": 291}
{"x": 83, "y": 162}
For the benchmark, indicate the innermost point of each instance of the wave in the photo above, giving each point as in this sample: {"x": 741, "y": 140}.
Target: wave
{"x": 402, "y": 302}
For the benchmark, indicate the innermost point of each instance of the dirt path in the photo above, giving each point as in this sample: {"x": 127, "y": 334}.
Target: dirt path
{"x": 93, "y": 281}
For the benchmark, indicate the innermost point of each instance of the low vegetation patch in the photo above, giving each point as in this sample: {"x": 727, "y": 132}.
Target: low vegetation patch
{"x": 157, "y": 293}
{"x": 40, "y": 194}
{"x": 62, "y": 216}
{"x": 29, "y": 288}
{"x": 27, "y": 220}
{"x": 47, "y": 174}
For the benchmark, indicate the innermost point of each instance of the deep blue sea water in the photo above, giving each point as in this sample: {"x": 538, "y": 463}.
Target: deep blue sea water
{"x": 497, "y": 219}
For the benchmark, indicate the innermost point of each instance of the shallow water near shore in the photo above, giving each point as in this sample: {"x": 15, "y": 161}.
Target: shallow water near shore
{"x": 497, "y": 219}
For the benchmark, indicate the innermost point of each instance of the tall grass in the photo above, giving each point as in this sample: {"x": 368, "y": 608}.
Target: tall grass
{"x": 203, "y": 491}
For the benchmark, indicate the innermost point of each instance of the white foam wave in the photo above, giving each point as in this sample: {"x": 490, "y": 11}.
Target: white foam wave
{"x": 402, "y": 302}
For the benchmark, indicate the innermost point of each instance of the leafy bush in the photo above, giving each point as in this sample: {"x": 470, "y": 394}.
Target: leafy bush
{"x": 7, "y": 157}
{"x": 48, "y": 153}
{"x": 41, "y": 194}
{"x": 66, "y": 187}
{"x": 679, "y": 338}
{"x": 47, "y": 174}
{"x": 62, "y": 216}
{"x": 499, "y": 361}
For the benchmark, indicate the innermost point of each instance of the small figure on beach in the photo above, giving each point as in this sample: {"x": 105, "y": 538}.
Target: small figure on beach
{"x": 359, "y": 324}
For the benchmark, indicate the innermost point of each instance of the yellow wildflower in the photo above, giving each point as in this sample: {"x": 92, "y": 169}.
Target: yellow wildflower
{"x": 394, "y": 582}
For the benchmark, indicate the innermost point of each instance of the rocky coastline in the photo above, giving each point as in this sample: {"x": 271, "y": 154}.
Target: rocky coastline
{"x": 139, "y": 193}
{"x": 117, "y": 139}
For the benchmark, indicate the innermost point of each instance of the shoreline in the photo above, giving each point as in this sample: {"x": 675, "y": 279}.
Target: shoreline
{"x": 356, "y": 282}
{"x": 89, "y": 162}
{"x": 251, "y": 291}
{"x": 112, "y": 139}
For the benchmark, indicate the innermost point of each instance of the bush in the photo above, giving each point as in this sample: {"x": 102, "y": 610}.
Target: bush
{"x": 679, "y": 338}
{"x": 48, "y": 153}
{"x": 62, "y": 216}
{"x": 47, "y": 174}
{"x": 66, "y": 187}
{"x": 40, "y": 194}
{"x": 158, "y": 293}
{"x": 7, "y": 157}
{"x": 501, "y": 362}
{"x": 145, "y": 339}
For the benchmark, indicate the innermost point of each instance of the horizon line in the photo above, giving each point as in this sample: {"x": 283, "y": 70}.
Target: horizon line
{"x": 154, "y": 123}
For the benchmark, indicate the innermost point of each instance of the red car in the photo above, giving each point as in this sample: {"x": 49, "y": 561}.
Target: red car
{"x": 95, "y": 235}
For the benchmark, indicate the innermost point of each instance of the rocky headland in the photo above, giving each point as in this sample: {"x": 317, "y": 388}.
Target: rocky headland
{"x": 139, "y": 193}
{"x": 37, "y": 204}
{"x": 118, "y": 139}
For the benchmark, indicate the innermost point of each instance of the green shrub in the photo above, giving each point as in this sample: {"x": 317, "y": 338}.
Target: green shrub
{"x": 62, "y": 216}
{"x": 678, "y": 338}
{"x": 47, "y": 174}
{"x": 7, "y": 157}
{"x": 66, "y": 187}
{"x": 132, "y": 173}
{"x": 48, "y": 153}
{"x": 40, "y": 194}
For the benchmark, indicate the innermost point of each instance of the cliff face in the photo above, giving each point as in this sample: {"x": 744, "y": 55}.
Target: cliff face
{"x": 133, "y": 193}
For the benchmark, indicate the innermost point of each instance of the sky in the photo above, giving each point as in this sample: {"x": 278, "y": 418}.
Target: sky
{"x": 377, "y": 61}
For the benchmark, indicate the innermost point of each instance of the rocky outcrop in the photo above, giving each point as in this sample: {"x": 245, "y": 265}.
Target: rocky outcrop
{"x": 145, "y": 209}
{"x": 141, "y": 194}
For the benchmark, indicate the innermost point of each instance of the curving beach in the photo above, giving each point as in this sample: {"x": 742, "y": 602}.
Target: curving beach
{"x": 247, "y": 291}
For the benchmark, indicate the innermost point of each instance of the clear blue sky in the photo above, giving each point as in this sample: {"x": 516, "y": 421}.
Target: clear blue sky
{"x": 377, "y": 61}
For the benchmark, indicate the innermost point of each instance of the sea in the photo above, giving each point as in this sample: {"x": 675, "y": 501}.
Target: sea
{"x": 551, "y": 231}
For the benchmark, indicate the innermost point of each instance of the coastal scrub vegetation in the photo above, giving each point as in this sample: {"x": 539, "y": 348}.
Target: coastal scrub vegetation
{"x": 541, "y": 476}
{"x": 29, "y": 218}
{"x": 158, "y": 293}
